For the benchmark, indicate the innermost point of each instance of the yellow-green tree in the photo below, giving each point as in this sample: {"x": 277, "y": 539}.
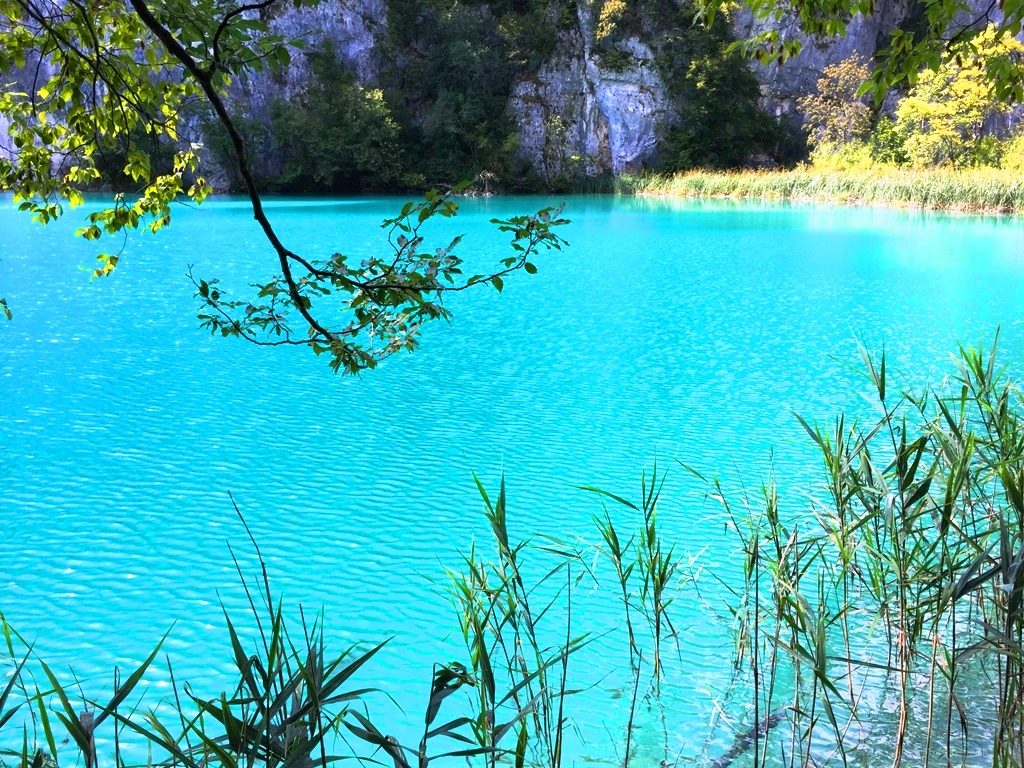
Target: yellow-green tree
{"x": 608, "y": 18}
{"x": 836, "y": 114}
{"x": 944, "y": 114}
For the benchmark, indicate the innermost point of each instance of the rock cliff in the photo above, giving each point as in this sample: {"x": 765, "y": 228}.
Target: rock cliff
{"x": 576, "y": 115}
{"x": 782, "y": 84}
{"x": 593, "y": 104}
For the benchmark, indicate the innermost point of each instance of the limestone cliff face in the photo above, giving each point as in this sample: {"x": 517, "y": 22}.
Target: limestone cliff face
{"x": 581, "y": 112}
{"x": 577, "y": 116}
{"x": 574, "y": 115}
{"x": 782, "y": 84}
{"x": 352, "y": 27}
{"x": 6, "y": 145}
{"x": 586, "y": 110}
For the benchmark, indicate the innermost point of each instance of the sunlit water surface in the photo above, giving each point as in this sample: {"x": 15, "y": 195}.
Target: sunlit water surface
{"x": 665, "y": 331}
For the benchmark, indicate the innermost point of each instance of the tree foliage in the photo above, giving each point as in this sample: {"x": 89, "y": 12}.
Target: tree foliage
{"x": 95, "y": 75}
{"x": 384, "y": 300}
{"x": 608, "y": 18}
{"x": 836, "y": 114}
{"x": 90, "y": 86}
{"x": 946, "y": 30}
{"x": 944, "y": 114}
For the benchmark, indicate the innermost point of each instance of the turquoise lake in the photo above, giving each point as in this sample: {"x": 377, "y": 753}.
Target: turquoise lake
{"x": 665, "y": 331}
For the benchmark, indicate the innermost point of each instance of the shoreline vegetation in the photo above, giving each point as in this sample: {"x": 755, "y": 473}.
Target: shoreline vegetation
{"x": 932, "y": 152}
{"x": 974, "y": 190}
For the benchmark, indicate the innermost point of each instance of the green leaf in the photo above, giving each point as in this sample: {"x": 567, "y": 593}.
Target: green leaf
{"x": 128, "y": 685}
{"x": 612, "y": 496}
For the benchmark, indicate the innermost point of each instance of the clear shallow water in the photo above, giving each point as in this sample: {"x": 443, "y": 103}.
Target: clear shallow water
{"x": 669, "y": 330}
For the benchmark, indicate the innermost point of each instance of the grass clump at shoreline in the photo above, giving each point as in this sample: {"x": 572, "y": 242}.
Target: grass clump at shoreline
{"x": 982, "y": 190}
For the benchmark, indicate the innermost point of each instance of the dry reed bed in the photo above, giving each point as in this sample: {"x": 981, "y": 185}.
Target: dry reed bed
{"x": 976, "y": 190}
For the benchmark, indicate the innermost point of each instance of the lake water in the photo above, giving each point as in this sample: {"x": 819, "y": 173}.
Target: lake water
{"x": 666, "y": 331}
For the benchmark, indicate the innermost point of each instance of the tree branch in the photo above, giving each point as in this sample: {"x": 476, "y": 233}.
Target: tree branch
{"x": 226, "y": 21}
{"x": 205, "y": 80}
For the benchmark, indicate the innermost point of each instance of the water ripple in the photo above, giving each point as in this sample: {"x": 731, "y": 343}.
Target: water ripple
{"x": 679, "y": 332}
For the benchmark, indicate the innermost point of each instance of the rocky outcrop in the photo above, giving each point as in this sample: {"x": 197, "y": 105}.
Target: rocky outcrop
{"x": 7, "y": 147}
{"x": 782, "y": 84}
{"x": 352, "y": 28}
{"x": 577, "y": 116}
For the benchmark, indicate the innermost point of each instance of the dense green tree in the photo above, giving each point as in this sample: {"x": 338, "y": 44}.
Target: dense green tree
{"x": 333, "y": 136}
{"x": 887, "y": 143}
{"x": 338, "y": 136}
{"x": 449, "y": 70}
{"x": 720, "y": 122}
{"x": 95, "y": 74}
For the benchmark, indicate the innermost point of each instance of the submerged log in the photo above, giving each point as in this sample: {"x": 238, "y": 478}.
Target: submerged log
{"x": 746, "y": 740}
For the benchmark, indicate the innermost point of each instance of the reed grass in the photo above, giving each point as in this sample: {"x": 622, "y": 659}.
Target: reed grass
{"x": 895, "y": 606}
{"x": 979, "y": 190}
{"x": 293, "y": 703}
{"x": 520, "y": 663}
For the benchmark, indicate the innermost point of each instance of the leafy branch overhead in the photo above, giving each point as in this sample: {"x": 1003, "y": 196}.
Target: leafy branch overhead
{"x": 102, "y": 83}
{"x": 383, "y": 301}
{"x": 947, "y": 31}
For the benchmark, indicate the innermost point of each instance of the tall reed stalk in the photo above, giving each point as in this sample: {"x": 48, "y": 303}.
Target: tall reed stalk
{"x": 885, "y": 606}
{"x": 648, "y": 556}
{"x": 510, "y": 647}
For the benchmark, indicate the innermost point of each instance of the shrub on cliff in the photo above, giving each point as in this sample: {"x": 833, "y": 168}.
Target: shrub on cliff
{"x": 338, "y": 136}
